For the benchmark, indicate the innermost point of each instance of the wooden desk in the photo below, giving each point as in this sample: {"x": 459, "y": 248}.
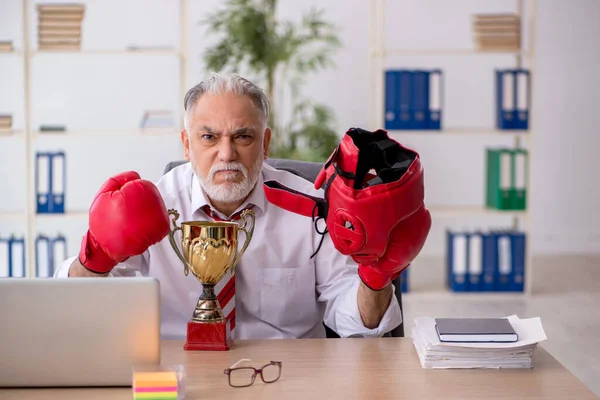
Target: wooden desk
{"x": 344, "y": 369}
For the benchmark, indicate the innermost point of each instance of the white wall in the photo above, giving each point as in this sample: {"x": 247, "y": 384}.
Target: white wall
{"x": 567, "y": 122}
{"x": 109, "y": 92}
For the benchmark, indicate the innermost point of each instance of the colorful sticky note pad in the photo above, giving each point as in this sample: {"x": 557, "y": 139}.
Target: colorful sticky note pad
{"x": 155, "y": 385}
{"x": 156, "y": 396}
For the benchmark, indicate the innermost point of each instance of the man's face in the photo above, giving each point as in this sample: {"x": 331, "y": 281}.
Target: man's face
{"x": 225, "y": 145}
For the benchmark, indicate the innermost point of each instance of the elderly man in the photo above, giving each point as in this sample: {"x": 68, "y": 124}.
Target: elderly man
{"x": 281, "y": 292}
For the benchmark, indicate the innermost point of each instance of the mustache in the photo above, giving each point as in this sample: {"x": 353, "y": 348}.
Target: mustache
{"x": 232, "y": 166}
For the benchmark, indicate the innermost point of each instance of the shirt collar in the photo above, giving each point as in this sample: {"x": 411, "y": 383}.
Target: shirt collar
{"x": 256, "y": 197}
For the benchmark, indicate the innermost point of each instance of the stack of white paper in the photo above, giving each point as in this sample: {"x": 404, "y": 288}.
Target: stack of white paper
{"x": 436, "y": 354}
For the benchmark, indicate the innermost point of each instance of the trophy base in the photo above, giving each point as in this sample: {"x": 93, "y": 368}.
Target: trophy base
{"x": 211, "y": 336}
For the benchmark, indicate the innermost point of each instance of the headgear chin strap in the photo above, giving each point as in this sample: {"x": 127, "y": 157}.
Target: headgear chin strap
{"x": 371, "y": 184}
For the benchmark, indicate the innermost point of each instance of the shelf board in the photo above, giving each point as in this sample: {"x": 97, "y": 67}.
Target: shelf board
{"x": 463, "y": 131}
{"x": 111, "y": 132}
{"x": 447, "y": 294}
{"x": 471, "y": 211}
{"x": 12, "y": 215}
{"x": 96, "y": 132}
{"x": 11, "y": 133}
{"x": 172, "y": 52}
{"x": 72, "y": 214}
{"x": 447, "y": 52}
{"x": 12, "y": 53}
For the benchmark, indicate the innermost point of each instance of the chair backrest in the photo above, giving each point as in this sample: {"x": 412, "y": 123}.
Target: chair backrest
{"x": 309, "y": 171}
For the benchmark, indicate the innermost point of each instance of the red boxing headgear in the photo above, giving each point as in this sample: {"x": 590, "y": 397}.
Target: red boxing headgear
{"x": 373, "y": 186}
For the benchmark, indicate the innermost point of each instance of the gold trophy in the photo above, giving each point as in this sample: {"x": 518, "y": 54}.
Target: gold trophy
{"x": 209, "y": 250}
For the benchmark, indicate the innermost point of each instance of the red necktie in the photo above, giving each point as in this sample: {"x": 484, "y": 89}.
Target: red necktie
{"x": 226, "y": 287}
{"x": 234, "y": 217}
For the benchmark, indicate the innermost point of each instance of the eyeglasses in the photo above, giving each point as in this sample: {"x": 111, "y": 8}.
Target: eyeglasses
{"x": 242, "y": 376}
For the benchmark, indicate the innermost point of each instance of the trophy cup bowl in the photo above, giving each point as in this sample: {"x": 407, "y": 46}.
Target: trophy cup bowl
{"x": 209, "y": 250}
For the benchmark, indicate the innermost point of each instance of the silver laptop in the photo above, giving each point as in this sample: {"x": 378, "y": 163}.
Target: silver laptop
{"x": 77, "y": 331}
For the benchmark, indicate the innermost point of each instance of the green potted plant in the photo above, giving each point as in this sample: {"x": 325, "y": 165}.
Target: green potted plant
{"x": 279, "y": 55}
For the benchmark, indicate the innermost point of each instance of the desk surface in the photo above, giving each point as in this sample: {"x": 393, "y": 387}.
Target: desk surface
{"x": 345, "y": 369}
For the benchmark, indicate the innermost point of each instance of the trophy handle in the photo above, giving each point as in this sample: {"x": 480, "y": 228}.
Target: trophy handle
{"x": 175, "y": 215}
{"x": 248, "y": 232}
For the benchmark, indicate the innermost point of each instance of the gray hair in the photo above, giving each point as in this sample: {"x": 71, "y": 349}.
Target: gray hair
{"x": 220, "y": 84}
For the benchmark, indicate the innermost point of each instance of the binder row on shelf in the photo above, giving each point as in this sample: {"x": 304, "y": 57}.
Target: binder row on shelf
{"x": 507, "y": 171}
{"x": 49, "y": 253}
{"x": 12, "y": 257}
{"x": 413, "y": 99}
{"x": 50, "y": 178}
{"x": 513, "y": 98}
{"x": 490, "y": 261}
{"x": 404, "y": 276}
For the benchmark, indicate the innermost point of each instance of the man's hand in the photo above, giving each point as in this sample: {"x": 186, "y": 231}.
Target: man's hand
{"x": 77, "y": 270}
{"x": 373, "y": 304}
{"x": 404, "y": 243}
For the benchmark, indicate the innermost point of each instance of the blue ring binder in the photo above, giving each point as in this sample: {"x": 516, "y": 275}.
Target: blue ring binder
{"x": 48, "y": 198}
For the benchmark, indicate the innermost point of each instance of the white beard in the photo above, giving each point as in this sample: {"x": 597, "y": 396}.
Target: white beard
{"x": 229, "y": 191}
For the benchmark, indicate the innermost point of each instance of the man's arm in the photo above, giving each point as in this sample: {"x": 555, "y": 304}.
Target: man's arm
{"x": 352, "y": 308}
{"x": 72, "y": 268}
{"x": 77, "y": 270}
{"x": 373, "y": 304}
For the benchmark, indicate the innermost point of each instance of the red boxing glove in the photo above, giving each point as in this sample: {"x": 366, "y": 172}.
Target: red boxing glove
{"x": 127, "y": 216}
{"x": 405, "y": 243}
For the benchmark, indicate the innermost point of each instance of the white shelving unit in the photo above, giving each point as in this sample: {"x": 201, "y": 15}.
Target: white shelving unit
{"x": 378, "y": 53}
{"x": 110, "y": 132}
{"x": 30, "y": 136}
{"x": 465, "y": 132}
{"x": 111, "y": 52}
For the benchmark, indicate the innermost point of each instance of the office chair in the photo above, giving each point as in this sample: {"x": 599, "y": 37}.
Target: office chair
{"x": 309, "y": 171}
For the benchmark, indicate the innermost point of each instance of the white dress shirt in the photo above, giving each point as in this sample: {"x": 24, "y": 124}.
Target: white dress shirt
{"x": 280, "y": 291}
